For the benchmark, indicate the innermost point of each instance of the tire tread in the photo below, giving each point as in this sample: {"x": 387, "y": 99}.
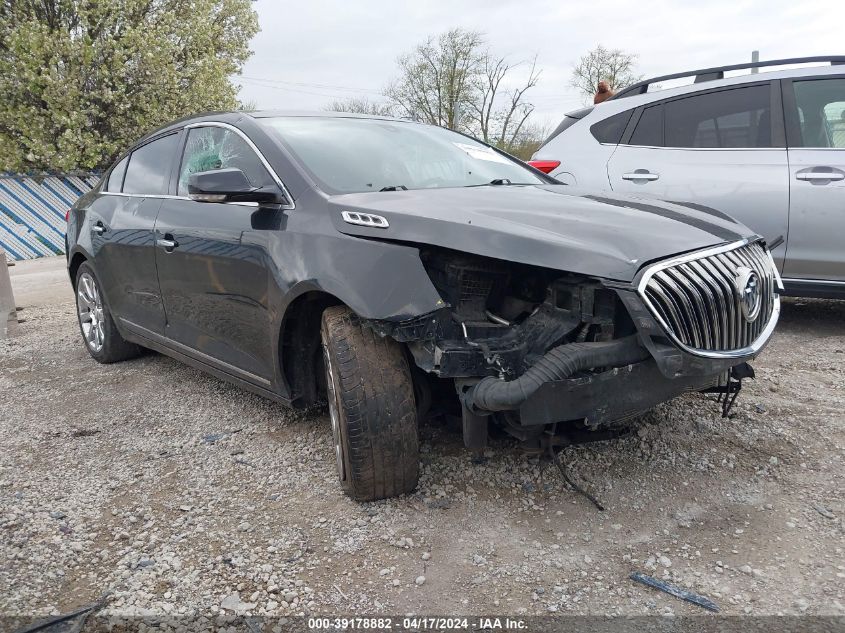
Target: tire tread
{"x": 376, "y": 408}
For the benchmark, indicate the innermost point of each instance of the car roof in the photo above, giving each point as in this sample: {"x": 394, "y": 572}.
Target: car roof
{"x": 264, "y": 114}
{"x": 627, "y": 102}
{"x": 233, "y": 117}
{"x": 718, "y": 73}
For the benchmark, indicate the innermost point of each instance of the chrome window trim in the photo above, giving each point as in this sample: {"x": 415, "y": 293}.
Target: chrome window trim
{"x": 797, "y": 148}
{"x": 290, "y": 205}
{"x": 752, "y": 349}
{"x": 711, "y": 149}
{"x": 164, "y": 196}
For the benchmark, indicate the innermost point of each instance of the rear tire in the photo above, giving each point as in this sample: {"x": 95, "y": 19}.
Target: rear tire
{"x": 99, "y": 333}
{"x": 371, "y": 404}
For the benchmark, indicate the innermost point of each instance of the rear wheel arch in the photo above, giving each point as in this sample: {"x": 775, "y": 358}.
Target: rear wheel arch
{"x": 93, "y": 313}
{"x": 73, "y": 266}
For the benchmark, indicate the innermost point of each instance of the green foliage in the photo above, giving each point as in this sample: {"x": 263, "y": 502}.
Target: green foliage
{"x": 80, "y": 80}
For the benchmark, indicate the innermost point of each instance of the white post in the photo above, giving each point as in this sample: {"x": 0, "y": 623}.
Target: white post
{"x": 8, "y": 310}
{"x": 755, "y": 57}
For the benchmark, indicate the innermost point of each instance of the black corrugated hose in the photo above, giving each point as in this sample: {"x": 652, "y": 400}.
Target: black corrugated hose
{"x": 492, "y": 394}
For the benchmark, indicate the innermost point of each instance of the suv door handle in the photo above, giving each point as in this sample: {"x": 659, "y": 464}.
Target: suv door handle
{"x": 815, "y": 175}
{"x": 99, "y": 228}
{"x": 640, "y": 174}
{"x": 167, "y": 243}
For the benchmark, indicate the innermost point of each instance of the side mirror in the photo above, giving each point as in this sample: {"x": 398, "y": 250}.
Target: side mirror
{"x": 228, "y": 185}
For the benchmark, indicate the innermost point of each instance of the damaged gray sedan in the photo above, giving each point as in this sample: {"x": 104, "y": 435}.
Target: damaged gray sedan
{"x": 393, "y": 269}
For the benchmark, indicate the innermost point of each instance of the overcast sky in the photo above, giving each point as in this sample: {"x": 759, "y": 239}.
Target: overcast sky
{"x": 310, "y": 53}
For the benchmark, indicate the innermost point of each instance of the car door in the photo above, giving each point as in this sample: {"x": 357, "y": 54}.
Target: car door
{"x": 211, "y": 262}
{"x": 122, "y": 221}
{"x": 722, "y": 148}
{"x": 815, "y": 109}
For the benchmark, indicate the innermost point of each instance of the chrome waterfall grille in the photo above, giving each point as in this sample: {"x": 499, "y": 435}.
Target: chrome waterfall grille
{"x": 719, "y": 302}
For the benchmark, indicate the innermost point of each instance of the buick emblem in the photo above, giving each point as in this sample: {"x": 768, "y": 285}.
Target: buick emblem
{"x": 748, "y": 291}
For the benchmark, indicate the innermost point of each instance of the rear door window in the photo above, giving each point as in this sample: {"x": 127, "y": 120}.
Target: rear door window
{"x": 649, "y": 130}
{"x": 821, "y": 107}
{"x": 115, "y": 181}
{"x": 149, "y": 167}
{"x": 209, "y": 148}
{"x": 610, "y": 130}
{"x": 736, "y": 118}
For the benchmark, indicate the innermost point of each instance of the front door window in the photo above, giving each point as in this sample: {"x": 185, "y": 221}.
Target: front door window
{"x": 821, "y": 104}
{"x": 209, "y": 148}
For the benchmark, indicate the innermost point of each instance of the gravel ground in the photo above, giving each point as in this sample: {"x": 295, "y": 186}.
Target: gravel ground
{"x": 182, "y": 494}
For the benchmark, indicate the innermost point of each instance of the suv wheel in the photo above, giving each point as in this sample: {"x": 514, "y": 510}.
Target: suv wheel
{"x": 104, "y": 342}
{"x": 372, "y": 409}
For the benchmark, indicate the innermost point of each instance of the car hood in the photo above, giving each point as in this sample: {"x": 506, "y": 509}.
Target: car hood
{"x": 554, "y": 226}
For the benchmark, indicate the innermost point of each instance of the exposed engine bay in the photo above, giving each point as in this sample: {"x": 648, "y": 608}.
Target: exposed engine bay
{"x": 502, "y": 317}
{"x": 537, "y": 351}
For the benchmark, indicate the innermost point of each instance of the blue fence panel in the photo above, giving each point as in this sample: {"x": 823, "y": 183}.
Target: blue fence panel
{"x": 32, "y": 212}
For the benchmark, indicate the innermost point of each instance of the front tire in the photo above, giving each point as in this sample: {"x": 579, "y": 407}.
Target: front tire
{"x": 372, "y": 408}
{"x": 102, "y": 340}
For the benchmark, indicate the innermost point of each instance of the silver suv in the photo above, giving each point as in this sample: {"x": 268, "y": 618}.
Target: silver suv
{"x": 767, "y": 149}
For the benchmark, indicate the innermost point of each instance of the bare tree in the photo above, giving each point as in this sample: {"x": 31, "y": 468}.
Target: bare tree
{"x": 501, "y": 125}
{"x": 437, "y": 82}
{"x": 455, "y": 81}
{"x": 361, "y": 105}
{"x": 615, "y": 66}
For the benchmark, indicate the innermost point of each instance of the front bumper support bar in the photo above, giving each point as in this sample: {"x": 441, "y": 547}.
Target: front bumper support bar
{"x": 616, "y": 394}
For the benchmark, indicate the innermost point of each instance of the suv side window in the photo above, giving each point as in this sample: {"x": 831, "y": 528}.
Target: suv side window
{"x": 739, "y": 117}
{"x": 649, "y": 130}
{"x": 115, "y": 181}
{"x": 149, "y": 167}
{"x": 212, "y": 147}
{"x": 821, "y": 107}
{"x": 610, "y": 129}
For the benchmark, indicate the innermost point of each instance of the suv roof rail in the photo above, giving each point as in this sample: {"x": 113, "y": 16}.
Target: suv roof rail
{"x": 709, "y": 74}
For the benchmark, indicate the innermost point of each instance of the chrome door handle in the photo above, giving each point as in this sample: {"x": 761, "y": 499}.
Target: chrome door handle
{"x": 640, "y": 175}
{"x": 167, "y": 245}
{"x": 813, "y": 176}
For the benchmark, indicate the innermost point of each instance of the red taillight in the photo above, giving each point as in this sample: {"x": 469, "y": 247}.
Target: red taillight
{"x": 67, "y": 216}
{"x": 545, "y": 166}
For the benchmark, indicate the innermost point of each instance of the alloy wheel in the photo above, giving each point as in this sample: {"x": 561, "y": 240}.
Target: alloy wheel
{"x": 89, "y": 304}
{"x": 334, "y": 412}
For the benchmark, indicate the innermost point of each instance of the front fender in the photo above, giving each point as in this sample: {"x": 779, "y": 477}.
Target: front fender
{"x": 380, "y": 281}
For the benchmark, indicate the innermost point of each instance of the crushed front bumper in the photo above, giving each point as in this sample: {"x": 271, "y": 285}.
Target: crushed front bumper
{"x": 609, "y": 396}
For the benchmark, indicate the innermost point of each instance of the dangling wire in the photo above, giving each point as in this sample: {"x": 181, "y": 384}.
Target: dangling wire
{"x": 732, "y": 390}
{"x": 570, "y": 482}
